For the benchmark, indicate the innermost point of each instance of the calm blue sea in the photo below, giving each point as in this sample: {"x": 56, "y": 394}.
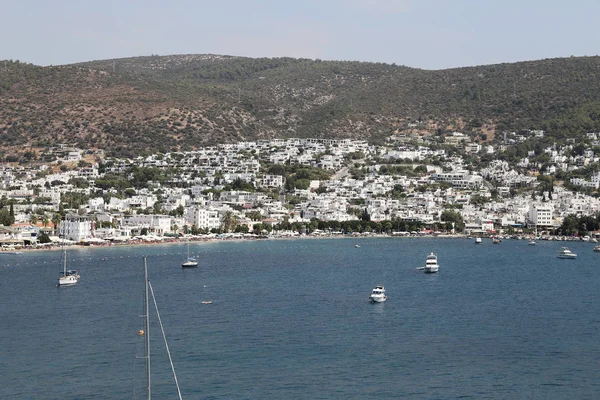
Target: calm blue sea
{"x": 290, "y": 319}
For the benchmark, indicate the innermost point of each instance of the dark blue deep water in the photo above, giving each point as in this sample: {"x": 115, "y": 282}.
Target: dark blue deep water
{"x": 290, "y": 319}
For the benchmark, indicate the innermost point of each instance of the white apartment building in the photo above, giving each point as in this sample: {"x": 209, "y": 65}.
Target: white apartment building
{"x": 540, "y": 214}
{"x": 52, "y": 194}
{"x": 76, "y": 227}
{"x": 241, "y": 197}
{"x": 272, "y": 181}
{"x": 473, "y": 148}
{"x": 459, "y": 179}
{"x": 203, "y": 218}
{"x": 159, "y": 224}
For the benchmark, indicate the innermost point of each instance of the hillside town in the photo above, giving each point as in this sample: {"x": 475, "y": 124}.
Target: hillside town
{"x": 264, "y": 188}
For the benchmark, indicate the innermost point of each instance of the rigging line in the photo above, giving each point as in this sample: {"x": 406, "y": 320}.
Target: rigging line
{"x": 165, "y": 340}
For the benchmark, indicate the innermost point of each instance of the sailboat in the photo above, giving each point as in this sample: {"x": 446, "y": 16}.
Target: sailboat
{"x": 188, "y": 261}
{"x": 146, "y": 334}
{"x": 67, "y": 276}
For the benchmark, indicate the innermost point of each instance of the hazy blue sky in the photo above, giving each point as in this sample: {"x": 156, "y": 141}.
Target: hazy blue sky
{"x": 429, "y": 34}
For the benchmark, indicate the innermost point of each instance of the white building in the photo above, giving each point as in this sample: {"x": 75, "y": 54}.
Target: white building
{"x": 76, "y": 227}
{"x": 203, "y": 218}
{"x": 473, "y": 148}
{"x": 158, "y": 224}
{"x": 272, "y": 181}
{"x": 540, "y": 214}
{"x": 459, "y": 179}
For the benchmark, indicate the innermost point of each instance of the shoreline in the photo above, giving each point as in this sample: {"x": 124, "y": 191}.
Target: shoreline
{"x": 136, "y": 243}
{"x": 237, "y": 238}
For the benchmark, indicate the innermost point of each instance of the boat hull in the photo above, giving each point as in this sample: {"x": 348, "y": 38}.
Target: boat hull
{"x": 189, "y": 264}
{"x": 67, "y": 281}
{"x": 568, "y": 257}
{"x": 431, "y": 270}
{"x": 377, "y": 299}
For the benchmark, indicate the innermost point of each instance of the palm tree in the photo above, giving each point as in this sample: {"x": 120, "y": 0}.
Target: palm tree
{"x": 56, "y": 218}
{"x": 387, "y": 225}
{"x": 33, "y": 219}
{"x": 45, "y": 220}
{"x": 229, "y": 222}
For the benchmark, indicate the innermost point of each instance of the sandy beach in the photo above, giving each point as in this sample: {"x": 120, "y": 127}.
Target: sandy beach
{"x": 225, "y": 237}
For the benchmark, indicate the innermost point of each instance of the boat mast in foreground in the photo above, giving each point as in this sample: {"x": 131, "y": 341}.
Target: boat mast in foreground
{"x": 148, "y": 290}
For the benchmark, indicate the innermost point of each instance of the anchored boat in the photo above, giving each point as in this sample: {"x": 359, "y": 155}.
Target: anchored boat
{"x": 67, "y": 277}
{"x": 431, "y": 264}
{"x": 378, "y": 295}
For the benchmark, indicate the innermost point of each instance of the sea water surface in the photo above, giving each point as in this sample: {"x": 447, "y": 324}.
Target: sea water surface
{"x": 290, "y": 319}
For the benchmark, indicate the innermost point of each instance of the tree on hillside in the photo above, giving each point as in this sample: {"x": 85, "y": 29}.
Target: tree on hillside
{"x": 365, "y": 216}
{"x": 5, "y": 218}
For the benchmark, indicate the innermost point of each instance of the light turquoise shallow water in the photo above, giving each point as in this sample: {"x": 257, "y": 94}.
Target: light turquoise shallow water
{"x": 290, "y": 319}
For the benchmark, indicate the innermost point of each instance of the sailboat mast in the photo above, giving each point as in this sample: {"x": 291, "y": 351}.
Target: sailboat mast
{"x": 64, "y": 261}
{"x": 147, "y": 329}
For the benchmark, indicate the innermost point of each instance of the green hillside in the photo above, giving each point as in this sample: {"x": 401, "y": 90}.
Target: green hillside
{"x": 160, "y": 103}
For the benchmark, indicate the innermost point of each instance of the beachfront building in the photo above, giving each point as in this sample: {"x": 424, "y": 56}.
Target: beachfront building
{"x": 540, "y": 215}
{"x": 157, "y": 224}
{"x": 10, "y": 237}
{"x": 203, "y": 218}
{"x": 76, "y": 227}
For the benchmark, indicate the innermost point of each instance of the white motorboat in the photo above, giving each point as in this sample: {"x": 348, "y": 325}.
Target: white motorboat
{"x": 596, "y": 248}
{"x": 431, "y": 264}
{"x": 188, "y": 262}
{"x": 67, "y": 277}
{"x": 532, "y": 243}
{"x": 566, "y": 253}
{"x": 378, "y": 295}
{"x": 478, "y": 240}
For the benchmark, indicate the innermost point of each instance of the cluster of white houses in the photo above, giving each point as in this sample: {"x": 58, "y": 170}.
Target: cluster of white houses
{"x": 40, "y": 190}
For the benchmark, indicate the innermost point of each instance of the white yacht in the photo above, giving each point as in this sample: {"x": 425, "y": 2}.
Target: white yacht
{"x": 431, "y": 264}
{"x": 67, "y": 276}
{"x": 532, "y": 242}
{"x": 566, "y": 253}
{"x": 478, "y": 240}
{"x": 597, "y": 248}
{"x": 378, "y": 295}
